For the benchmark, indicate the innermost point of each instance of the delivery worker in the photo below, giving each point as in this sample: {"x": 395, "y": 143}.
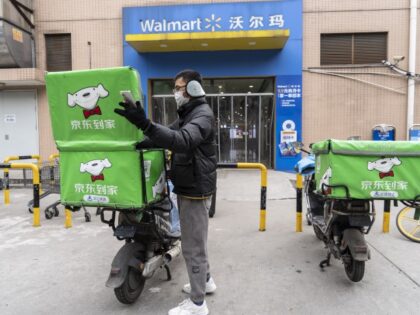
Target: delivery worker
{"x": 191, "y": 139}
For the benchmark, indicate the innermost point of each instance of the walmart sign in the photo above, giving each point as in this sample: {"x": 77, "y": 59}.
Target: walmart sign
{"x": 212, "y": 23}
{"x": 207, "y": 17}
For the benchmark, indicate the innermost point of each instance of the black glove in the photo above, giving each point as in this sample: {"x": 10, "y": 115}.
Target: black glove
{"x": 134, "y": 114}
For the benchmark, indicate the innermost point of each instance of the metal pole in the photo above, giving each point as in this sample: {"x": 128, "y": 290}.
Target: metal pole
{"x": 67, "y": 222}
{"x": 6, "y": 187}
{"x": 246, "y": 129}
{"x": 218, "y": 126}
{"x": 263, "y": 200}
{"x": 299, "y": 185}
{"x": 7, "y": 177}
{"x": 259, "y": 129}
{"x": 35, "y": 181}
{"x": 411, "y": 65}
{"x": 387, "y": 211}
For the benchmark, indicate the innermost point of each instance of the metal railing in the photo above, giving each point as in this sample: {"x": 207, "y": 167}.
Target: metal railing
{"x": 36, "y": 186}
{"x": 6, "y": 183}
{"x": 263, "y": 198}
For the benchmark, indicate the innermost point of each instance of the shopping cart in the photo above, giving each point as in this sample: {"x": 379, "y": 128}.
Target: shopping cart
{"x": 50, "y": 185}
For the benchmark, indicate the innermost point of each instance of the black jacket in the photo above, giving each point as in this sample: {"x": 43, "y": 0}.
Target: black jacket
{"x": 191, "y": 138}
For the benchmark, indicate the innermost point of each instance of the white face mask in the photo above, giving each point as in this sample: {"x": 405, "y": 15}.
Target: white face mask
{"x": 180, "y": 99}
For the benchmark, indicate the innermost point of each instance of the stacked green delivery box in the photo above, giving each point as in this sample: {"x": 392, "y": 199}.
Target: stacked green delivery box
{"x": 99, "y": 165}
{"x": 368, "y": 169}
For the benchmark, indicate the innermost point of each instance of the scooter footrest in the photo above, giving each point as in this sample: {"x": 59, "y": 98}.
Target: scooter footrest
{"x": 125, "y": 231}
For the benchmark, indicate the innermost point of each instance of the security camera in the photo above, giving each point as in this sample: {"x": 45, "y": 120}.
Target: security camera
{"x": 397, "y": 59}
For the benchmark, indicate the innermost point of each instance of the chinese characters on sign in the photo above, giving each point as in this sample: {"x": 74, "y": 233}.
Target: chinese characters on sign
{"x": 109, "y": 190}
{"x": 384, "y": 185}
{"x": 256, "y": 22}
{"x": 92, "y": 124}
{"x": 288, "y": 94}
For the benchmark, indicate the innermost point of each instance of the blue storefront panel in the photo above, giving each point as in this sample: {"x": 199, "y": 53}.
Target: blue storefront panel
{"x": 284, "y": 64}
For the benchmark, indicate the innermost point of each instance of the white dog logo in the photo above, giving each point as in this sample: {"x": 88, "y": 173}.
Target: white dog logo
{"x": 159, "y": 186}
{"x": 384, "y": 166}
{"x": 325, "y": 180}
{"x": 87, "y": 98}
{"x": 95, "y": 168}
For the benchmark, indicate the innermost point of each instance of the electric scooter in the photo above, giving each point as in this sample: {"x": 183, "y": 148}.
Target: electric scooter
{"x": 340, "y": 224}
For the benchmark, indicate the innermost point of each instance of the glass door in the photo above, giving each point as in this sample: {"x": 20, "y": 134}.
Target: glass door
{"x": 238, "y": 131}
{"x": 253, "y": 128}
{"x": 244, "y": 116}
{"x": 225, "y": 125}
{"x": 267, "y": 131}
{"x": 246, "y": 126}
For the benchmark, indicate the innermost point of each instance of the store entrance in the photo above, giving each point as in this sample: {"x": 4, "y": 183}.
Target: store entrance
{"x": 244, "y": 121}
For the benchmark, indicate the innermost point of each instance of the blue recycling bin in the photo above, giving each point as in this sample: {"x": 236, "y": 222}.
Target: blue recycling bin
{"x": 414, "y": 133}
{"x": 383, "y": 132}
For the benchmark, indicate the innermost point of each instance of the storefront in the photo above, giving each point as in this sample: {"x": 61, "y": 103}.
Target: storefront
{"x": 250, "y": 55}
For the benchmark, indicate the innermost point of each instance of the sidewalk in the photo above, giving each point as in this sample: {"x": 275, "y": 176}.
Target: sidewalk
{"x": 53, "y": 270}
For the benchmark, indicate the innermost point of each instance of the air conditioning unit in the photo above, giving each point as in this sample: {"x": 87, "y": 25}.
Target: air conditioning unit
{"x": 17, "y": 49}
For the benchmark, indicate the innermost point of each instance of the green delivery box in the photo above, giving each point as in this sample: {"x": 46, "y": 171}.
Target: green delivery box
{"x": 99, "y": 165}
{"x": 82, "y": 104}
{"x": 113, "y": 179}
{"x": 368, "y": 169}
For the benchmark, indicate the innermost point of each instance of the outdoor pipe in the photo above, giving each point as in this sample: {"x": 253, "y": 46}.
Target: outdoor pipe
{"x": 411, "y": 66}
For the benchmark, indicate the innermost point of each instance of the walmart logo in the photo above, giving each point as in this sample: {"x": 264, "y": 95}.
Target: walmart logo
{"x": 213, "y": 23}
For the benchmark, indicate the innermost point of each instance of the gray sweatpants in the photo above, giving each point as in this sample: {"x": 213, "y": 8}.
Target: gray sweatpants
{"x": 194, "y": 217}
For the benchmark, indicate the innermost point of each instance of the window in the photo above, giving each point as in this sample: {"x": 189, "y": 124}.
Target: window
{"x": 357, "y": 48}
{"x": 58, "y": 50}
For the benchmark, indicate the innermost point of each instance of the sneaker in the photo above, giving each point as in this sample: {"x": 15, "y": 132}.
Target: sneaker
{"x": 210, "y": 287}
{"x": 187, "y": 307}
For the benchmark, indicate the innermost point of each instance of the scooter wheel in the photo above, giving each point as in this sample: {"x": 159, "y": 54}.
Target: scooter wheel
{"x": 131, "y": 288}
{"x": 56, "y": 212}
{"x": 355, "y": 269}
{"x": 318, "y": 232}
{"x": 49, "y": 214}
{"x": 408, "y": 223}
{"x": 87, "y": 217}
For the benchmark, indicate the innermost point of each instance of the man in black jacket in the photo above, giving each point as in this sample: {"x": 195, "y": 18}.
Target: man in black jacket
{"x": 193, "y": 172}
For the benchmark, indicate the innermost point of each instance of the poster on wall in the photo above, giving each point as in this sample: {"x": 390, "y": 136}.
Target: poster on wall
{"x": 288, "y": 135}
{"x": 289, "y": 117}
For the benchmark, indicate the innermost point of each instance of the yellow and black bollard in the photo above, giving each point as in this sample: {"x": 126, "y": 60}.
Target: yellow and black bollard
{"x": 6, "y": 172}
{"x": 35, "y": 181}
{"x": 299, "y": 186}
{"x": 263, "y": 197}
{"x": 6, "y": 192}
{"x": 68, "y": 218}
{"x": 387, "y": 212}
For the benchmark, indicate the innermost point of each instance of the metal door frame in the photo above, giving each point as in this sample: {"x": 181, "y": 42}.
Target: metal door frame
{"x": 231, "y": 95}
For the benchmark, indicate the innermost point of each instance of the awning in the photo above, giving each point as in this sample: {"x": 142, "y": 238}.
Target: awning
{"x": 208, "y": 41}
